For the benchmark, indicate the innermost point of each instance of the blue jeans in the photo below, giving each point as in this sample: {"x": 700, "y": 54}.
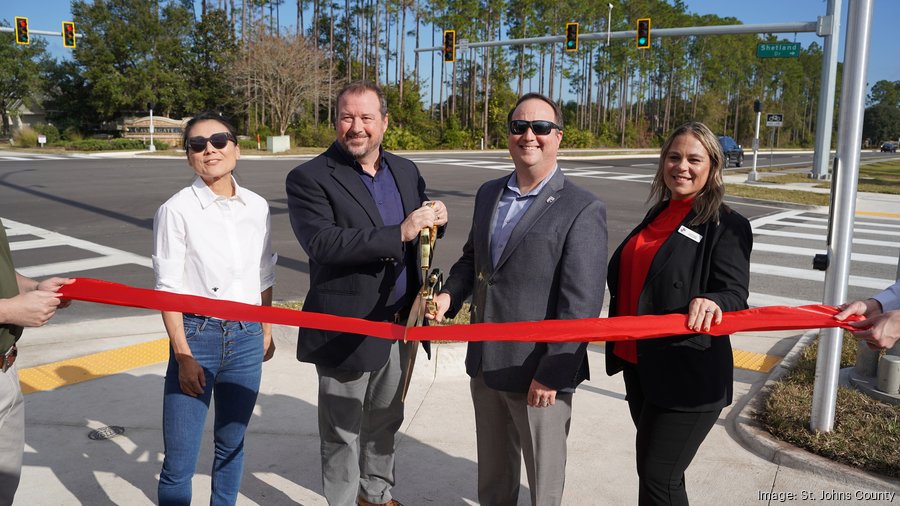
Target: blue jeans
{"x": 231, "y": 355}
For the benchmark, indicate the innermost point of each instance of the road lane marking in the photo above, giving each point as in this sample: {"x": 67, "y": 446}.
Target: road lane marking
{"x": 815, "y": 237}
{"x": 108, "y": 256}
{"x": 811, "y": 275}
{"x": 811, "y": 252}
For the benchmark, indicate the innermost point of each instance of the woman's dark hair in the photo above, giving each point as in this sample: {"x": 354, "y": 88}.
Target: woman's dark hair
{"x": 710, "y": 199}
{"x": 205, "y": 116}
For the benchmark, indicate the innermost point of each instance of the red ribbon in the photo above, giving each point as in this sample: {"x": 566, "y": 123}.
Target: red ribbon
{"x": 619, "y": 328}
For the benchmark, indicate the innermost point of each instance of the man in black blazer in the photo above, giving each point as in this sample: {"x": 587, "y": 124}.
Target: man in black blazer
{"x": 536, "y": 251}
{"x": 357, "y": 211}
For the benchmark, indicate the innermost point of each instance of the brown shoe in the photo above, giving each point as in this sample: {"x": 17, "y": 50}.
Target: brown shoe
{"x": 362, "y": 502}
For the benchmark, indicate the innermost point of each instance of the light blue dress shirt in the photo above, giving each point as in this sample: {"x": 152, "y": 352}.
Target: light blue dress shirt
{"x": 510, "y": 209}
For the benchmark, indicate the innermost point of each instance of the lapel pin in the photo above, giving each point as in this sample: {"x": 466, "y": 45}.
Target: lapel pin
{"x": 551, "y": 199}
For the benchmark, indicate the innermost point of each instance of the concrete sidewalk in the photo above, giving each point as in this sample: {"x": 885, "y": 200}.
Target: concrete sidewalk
{"x": 737, "y": 464}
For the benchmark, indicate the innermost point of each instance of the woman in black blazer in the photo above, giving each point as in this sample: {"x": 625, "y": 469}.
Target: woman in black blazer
{"x": 691, "y": 255}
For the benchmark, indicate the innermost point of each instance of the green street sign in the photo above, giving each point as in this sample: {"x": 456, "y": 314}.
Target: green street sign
{"x": 778, "y": 50}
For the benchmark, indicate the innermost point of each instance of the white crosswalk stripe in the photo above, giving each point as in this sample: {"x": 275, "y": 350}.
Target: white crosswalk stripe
{"x": 593, "y": 171}
{"x": 31, "y": 158}
{"x": 786, "y": 242}
{"x": 106, "y": 256}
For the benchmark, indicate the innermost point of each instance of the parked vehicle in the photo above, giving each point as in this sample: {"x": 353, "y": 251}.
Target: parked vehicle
{"x": 888, "y": 147}
{"x": 734, "y": 153}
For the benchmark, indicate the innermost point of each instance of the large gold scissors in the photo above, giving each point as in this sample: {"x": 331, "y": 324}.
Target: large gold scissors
{"x": 431, "y": 285}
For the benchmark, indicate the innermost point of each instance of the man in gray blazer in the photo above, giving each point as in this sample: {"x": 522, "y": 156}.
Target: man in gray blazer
{"x": 536, "y": 251}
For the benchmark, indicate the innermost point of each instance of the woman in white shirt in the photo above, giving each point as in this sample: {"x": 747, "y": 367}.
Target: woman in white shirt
{"x": 211, "y": 239}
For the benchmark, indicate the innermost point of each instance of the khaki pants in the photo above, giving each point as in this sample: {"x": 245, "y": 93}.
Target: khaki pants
{"x": 12, "y": 434}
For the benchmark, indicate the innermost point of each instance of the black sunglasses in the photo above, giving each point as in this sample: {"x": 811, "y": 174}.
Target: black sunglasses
{"x": 219, "y": 141}
{"x": 539, "y": 127}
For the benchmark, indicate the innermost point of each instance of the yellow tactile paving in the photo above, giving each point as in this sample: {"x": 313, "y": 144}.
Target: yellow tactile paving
{"x": 751, "y": 361}
{"x": 876, "y": 213}
{"x": 75, "y": 370}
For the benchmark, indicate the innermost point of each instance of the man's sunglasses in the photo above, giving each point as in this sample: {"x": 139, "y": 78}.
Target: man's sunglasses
{"x": 539, "y": 127}
{"x": 219, "y": 141}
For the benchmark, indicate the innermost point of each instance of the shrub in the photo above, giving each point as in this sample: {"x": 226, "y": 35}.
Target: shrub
{"x": 460, "y": 139}
{"x": 246, "y": 144}
{"x": 109, "y": 145}
{"x": 310, "y": 136}
{"x": 72, "y": 134}
{"x": 86, "y": 145}
{"x": 575, "y": 138}
{"x": 49, "y": 131}
{"x": 401, "y": 138}
{"x": 25, "y": 137}
{"x": 126, "y": 144}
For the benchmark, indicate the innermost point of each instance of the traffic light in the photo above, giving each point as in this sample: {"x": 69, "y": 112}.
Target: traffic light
{"x": 68, "y": 34}
{"x": 449, "y": 46}
{"x": 643, "y": 33}
{"x": 571, "y": 37}
{"x": 21, "y": 30}
{"x": 757, "y": 106}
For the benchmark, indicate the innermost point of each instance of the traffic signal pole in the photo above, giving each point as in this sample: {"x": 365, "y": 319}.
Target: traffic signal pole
{"x": 53, "y": 33}
{"x": 793, "y": 27}
{"x": 825, "y": 115}
{"x": 843, "y": 203}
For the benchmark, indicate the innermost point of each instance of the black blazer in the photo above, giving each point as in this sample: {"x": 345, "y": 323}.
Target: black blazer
{"x": 691, "y": 372}
{"x": 351, "y": 254}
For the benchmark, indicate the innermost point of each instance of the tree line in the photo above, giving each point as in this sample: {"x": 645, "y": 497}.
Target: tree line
{"x": 235, "y": 56}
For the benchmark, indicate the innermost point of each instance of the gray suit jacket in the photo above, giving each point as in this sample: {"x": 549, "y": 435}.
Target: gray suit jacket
{"x": 553, "y": 268}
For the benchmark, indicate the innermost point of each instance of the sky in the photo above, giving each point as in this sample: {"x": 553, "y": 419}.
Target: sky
{"x": 884, "y": 63}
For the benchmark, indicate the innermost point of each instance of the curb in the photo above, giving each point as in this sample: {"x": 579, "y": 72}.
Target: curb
{"x": 761, "y": 442}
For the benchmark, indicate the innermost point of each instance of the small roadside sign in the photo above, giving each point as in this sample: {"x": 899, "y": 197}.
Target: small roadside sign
{"x": 42, "y": 139}
{"x": 774, "y": 120}
{"x": 778, "y": 50}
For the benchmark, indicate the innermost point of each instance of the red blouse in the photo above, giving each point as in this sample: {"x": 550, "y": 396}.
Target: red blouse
{"x": 635, "y": 260}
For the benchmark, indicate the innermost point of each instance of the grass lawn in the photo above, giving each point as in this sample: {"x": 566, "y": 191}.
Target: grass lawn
{"x": 866, "y": 432}
{"x": 878, "y": 177}
{"x": 777, "y": 194}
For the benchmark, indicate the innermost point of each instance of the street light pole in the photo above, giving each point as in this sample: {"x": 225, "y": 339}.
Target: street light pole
{"x": 608, "y": 25}
{"x": 152, "y": 146}
{"x": 753, "y": 175}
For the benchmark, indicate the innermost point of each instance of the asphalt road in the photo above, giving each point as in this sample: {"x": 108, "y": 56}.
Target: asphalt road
{"x": 111, "y": 203}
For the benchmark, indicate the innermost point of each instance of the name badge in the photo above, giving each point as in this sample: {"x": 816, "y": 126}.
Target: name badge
{"x": 690, "y": 234}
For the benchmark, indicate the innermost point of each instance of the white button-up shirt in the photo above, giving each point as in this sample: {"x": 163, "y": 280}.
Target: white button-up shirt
{"x": 213, "y": 246}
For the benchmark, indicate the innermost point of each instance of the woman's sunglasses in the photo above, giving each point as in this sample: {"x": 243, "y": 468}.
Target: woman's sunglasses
{"x": 219, "y": 141}
{"x": 539, "y": 127}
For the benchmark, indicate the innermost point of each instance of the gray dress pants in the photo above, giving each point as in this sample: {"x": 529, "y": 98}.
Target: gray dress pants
{"x": 359, "y": 415}
{"x": 508, "y": 429}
